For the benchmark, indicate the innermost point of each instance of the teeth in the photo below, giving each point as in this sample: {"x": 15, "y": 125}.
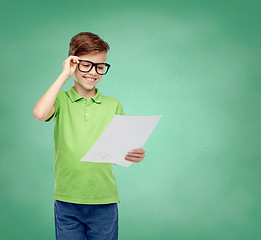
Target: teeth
{"x": 90, "y": 79}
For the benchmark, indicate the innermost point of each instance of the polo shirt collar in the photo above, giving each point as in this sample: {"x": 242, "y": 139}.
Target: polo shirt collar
{"x": 74, "y": 96}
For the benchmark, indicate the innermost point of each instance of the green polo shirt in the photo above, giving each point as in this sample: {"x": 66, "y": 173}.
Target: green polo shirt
{"x": 78, "y": 125}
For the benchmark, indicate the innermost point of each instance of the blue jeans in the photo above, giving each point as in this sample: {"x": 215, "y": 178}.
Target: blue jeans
{"x": 80, "y": 221}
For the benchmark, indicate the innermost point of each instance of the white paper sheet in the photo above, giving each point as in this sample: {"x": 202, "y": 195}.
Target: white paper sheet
{"x": 122, "y": 135}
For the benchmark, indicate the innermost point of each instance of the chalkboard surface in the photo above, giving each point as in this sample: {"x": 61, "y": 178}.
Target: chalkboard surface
{"x": 195, "y": 62}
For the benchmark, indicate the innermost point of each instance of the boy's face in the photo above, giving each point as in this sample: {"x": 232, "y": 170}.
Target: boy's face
{"x": 85, "y": 79}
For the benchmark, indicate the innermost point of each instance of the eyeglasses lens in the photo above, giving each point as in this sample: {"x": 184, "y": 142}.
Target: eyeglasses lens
{"x": 86, "y": 66}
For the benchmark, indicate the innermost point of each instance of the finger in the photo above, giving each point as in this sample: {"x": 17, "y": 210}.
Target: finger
{"x": 74, "y": 62}
{"x": 69, "y": 60}
{"x": 73, "y": 59}
{"x": 72, "y": 56}
{"x": 138, "y": 150}
{"x": 133, "y": 154}
{"x": 137, "y": 157}
{"x": 132, "y": 159}
{"x": 76, "y": 58}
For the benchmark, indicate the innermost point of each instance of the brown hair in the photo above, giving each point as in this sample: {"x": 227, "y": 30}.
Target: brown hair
{"x": 87, "y": 42}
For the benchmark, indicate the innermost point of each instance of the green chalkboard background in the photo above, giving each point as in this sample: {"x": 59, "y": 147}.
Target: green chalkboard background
{"x": 195, "y": 62}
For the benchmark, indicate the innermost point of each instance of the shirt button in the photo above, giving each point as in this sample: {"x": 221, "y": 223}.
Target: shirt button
{"x": 87, "y": 114}
{"x": 85, "y": 101}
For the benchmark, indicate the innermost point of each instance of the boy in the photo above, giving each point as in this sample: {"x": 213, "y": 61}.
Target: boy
{"x": 85, "y": 193}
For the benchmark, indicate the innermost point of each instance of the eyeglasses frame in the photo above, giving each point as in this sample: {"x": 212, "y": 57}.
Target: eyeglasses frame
{"x": 95, "y": 65}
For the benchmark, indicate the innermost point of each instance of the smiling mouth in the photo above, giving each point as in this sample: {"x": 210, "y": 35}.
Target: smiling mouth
{"x": 89, "y": 79}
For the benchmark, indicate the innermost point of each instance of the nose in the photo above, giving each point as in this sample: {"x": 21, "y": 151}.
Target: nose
{"x": 93, "y": 71}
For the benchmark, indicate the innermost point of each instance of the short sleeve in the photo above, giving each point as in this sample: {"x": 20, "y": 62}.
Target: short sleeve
{"x": 119, "y": 110}
{"x": 56, "y": 106}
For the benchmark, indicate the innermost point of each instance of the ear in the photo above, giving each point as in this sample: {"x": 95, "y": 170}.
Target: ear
{"x": 74, "y": 78}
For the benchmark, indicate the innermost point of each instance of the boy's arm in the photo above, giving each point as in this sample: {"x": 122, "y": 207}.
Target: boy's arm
{"x": 44, "y": 108}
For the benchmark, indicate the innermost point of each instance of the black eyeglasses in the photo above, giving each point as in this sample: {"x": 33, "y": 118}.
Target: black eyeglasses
{"x": 86, "y": 66}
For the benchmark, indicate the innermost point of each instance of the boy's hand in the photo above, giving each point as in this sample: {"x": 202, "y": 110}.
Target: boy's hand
{"x": 137, "y": 155}
{"x": 70, "y": 65}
